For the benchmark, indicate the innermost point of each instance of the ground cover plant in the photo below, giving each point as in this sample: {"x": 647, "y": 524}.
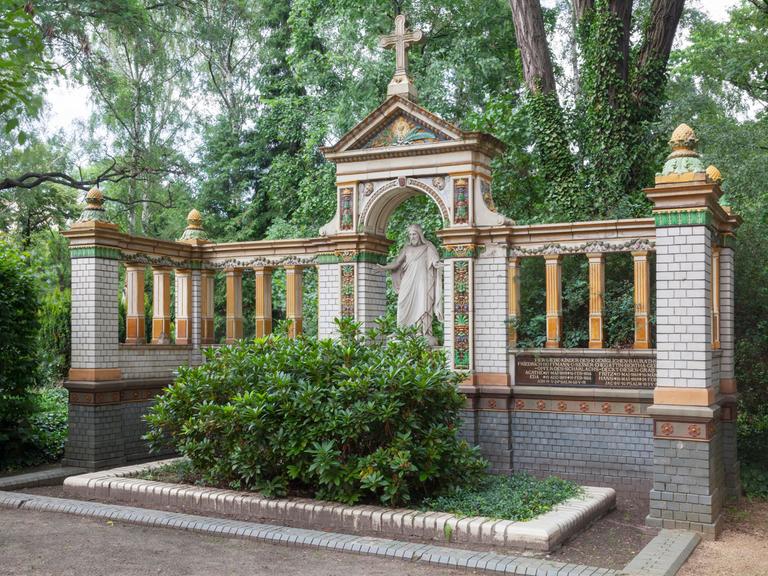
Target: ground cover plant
{"x": 518, "y": 497}
{"x": 363, "y": 418}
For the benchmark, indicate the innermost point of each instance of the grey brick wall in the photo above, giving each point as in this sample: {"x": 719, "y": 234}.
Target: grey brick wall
{"x": 615, "y": 451}
{"x": 688, "y": 485}
{"x": 494, "y": 436}
{"x": 95, "y": 436}
{"x": 105, "y": 436}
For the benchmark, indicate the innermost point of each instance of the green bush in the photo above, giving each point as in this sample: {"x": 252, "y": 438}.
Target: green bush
{"x": 48, "y": 426}
{"x": 54, "y": 335}
{"x": 18, "y": 351}
{"x": 752, "y": 429}
{"x": 519, "y": 497}
{"x": 361, "y": 418}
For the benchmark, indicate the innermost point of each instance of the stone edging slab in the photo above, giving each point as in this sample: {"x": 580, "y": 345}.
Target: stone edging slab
{"x": 424, "y": 553}
{"x": 543, "y": 533}
{"x": 50, "y": 477}
{"x": 664, "y": 555}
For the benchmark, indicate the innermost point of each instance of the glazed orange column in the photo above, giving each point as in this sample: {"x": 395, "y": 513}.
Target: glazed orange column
{"x": 716, "y": 297}
{"x": 207, "y": 287}
{"x": 294, "y": 285}
{"x": 234, "y": 304}
{"x": 161, "y": 305}
{"x": 596, "y": 299}
{"x": 642, "y": 299}
{"x": 135, "y": 328}
{"x": 263, "y": 302}
{"x": 513, "y": 300}
{"x": 554, "y": 300}
{"x": 183, "y": 306}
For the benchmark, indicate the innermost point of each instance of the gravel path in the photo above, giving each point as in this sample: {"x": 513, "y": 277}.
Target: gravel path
{"x": 39, "y": 543}
{"x": 741, "y": 551}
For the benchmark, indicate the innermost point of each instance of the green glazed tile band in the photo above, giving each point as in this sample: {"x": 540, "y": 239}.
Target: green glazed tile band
{"x": 95, "y": 252}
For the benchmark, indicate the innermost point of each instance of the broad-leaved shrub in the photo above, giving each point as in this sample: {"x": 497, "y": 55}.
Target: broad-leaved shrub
{"x": 369, "y": 417}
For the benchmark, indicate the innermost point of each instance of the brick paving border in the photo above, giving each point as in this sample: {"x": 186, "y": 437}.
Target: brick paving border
{"x": 436, "y": 555}
{"x": 543, "y": 533}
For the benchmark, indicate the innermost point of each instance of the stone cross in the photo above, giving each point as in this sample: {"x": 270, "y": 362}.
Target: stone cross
{"x": 401, "y": 41}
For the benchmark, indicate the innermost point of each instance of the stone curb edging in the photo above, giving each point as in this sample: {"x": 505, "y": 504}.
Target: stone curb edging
{"x": 665, "y": 554}
{"x": 436, "y": 555}
{"x": 544, "y": 533}
{"x": 49, "y": 477}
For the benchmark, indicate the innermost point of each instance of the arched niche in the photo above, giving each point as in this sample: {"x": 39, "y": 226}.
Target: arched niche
{"x": 376, "y": 212}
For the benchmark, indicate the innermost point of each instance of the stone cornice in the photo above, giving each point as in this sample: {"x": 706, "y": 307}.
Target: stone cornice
{"x": 693, "y": 195}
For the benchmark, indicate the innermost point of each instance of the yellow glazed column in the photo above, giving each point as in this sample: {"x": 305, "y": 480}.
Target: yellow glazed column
{"x": 183, "y": 307}
{"x": 642, "y": 299}
{"x": 263, "y": 294}
{"x": 234, "y": 304}
{"x": 554, "y": 300}
{"x": 716, "y": 297}
{"x": 513, "y": 300}
{"x": 207, "y": 289}
{"x": 596, "y": 299}
{"x": 294, "y": 281}
{"x": 135, "y": 330}
{"x": 161, "y": 305}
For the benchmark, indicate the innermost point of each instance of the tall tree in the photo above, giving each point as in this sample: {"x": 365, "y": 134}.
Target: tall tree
{"x": 595, "y": 154}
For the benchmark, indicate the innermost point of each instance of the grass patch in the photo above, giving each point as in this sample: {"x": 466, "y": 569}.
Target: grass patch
{"x": 518, "y": 497}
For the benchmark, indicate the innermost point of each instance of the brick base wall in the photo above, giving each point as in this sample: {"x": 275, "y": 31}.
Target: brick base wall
{"x": 615, "y": 451}
{"x": 107, "y": 435}
{"x": 689, "y": 485}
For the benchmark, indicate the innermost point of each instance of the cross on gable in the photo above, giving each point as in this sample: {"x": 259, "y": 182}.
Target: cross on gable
{"x": 401, "y": 41}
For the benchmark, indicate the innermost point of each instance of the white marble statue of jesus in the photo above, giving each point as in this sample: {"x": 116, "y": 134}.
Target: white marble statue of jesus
{"x": 418, "y": 280}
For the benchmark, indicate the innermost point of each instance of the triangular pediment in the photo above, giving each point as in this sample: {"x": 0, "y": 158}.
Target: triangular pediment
{"x": 404, "y": 129}
{"x": 397, "y": 123}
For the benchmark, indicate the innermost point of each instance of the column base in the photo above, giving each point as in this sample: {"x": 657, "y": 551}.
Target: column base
{"x": 710, "y": 531}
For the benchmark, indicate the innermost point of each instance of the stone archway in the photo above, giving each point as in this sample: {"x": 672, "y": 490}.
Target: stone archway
{"x": 379, "y": 206}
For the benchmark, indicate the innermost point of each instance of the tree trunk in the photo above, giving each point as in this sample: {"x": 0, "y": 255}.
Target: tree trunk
{"x": 622, "y": 9}
{"x": 581, "y": 7}
{"x": 658, "y": 37}
{"x": 532, "y": 40}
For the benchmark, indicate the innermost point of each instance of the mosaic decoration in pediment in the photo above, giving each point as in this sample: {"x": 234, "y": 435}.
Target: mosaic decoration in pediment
{"x": 405, "y": 130}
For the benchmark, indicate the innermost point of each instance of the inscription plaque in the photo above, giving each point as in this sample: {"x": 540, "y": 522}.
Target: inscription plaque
{"x": 585, "y": 371}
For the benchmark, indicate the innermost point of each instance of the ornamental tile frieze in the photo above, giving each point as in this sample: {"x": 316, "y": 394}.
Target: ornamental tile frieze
{"x": 461, "y": 251}
{"x": 346, "y": 203}
{"x": 570, "y": 406}
{"x": 461, "y": 315}
{"x": 461, "y": 201}
{"x": 347, "y": 291}
{"x": 682, "y": 430}
{"x": 275, "y": 261}
{"x": 593, "y": 246}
